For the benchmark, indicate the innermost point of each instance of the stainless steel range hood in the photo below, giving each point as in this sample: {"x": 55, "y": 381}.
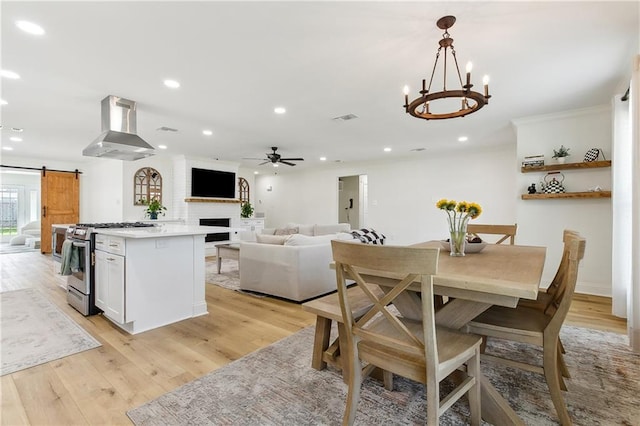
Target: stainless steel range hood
{"x": 118, "y": 138}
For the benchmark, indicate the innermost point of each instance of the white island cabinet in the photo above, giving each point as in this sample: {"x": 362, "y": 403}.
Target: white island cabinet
{"x": 149, "y": 277}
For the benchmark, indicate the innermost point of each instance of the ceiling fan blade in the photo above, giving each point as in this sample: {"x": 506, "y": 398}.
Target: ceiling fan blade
{"x": 252, "y": 158}
{"x": 266, "y": 162}
{"x": 293, "y": 159}
{"x": 287, "y": 163}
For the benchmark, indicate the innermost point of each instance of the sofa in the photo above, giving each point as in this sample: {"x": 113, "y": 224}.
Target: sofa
{"x": 291, "y": 262}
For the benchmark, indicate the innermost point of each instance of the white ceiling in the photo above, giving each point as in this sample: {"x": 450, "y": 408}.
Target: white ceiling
{"x": 236, "y": 61}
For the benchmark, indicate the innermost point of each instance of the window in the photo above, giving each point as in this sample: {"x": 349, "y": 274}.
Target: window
{"x": 9, "y": 211}
{"x": 147, "y": 185}
{"x": 243, "y": 190}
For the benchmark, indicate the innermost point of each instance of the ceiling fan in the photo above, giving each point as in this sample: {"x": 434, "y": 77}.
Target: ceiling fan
{"x": 275, "y": 158}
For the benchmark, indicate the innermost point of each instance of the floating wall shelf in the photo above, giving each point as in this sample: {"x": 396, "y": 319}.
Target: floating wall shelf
{"x": 594, "y": 194}
{"x": 566, "y": 166}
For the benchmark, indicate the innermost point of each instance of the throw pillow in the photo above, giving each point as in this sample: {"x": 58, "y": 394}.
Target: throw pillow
{"x": 369, "y": 236}
{"x": 271, "y": 239}
{"x": 285, "y": 231}
{"x": 305, "y": 240}
{"x": 330, "y": 229}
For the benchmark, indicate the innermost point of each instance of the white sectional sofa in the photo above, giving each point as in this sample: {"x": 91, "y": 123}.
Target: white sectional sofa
{"x": 294, "y": 266}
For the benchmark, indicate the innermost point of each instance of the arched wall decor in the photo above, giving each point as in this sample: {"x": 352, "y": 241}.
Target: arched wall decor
{"x": 147, "y": 185}
{"x": 243, "y": 190}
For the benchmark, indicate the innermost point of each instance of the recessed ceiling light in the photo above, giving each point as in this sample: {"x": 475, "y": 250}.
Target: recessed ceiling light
{"x": 256, "y": 172}
{"x": 30, "y": 27}
{"x": 15, "y": 139}
{"x": 17, "y": 129}
{"x": 279, "y": 110}
{"x": 9, "y": 74}
{"x": 207, "y": 132}
{"x": 463, "y": 139}
{"x": 162, "y": 146}
{"x": 171, "y": 84}
{"x": 7, "y": 148}
{"x": 323, "y": 158}
{"x": 3, "y": 102}
{"x": 387, "y": 149}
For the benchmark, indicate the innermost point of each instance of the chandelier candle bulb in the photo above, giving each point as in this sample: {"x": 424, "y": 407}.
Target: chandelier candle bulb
{"x": 469, "y": 68}
{"x": 485, "y": 81}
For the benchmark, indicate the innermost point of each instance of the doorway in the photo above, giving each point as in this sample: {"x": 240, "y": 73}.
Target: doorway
{"x": 352, "y": 200}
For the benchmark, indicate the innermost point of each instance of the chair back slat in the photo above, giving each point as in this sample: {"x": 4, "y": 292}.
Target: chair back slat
{"x": 561, "y": 300}
{"x": 507, "y": 232}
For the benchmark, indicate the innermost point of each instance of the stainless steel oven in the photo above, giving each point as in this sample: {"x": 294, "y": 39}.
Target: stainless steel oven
{"x": 80, "y": 293}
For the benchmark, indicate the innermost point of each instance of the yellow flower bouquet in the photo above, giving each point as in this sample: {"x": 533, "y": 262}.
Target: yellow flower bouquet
{"x": 458, "y": 215}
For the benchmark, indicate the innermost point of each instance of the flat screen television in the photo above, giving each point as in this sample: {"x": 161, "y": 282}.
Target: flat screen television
{"x": 212, "y": 183}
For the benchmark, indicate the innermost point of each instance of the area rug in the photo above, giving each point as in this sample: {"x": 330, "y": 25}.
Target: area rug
{"x": 277, "y": 386}
{"x": 229, "y": 276}
{"x": 35, "y": 331}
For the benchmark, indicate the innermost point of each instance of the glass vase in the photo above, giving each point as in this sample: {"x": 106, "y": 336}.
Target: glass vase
{"x": 457, "y": 235}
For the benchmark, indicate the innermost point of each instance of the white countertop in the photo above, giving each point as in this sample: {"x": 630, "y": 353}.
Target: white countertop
{"x": 163, "y": 230}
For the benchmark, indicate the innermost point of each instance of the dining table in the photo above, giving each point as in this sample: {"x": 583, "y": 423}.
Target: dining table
{"x": 500, "y": 274}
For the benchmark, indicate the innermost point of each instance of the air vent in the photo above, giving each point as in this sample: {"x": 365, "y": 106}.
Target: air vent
{"x": 418, "y": 149}
{"x": 345, "y": 117}
{"x": 166, "y": 129}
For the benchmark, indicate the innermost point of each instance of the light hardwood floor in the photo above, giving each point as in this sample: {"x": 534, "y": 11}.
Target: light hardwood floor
{"x": 98, "y": 386}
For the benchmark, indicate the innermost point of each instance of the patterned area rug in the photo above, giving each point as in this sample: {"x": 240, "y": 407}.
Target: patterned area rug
{"x": 277, "y": 386}
{"x": 229, "y": 276}
{"x": 35, "y": 331}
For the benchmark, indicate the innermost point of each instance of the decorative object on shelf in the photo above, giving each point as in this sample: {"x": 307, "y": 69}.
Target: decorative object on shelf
{"x": 468, "y": 100}
{"x": 533, "y": 161}
{"x": 593, "y": 154}
{"x": 596, "y": 188}
{"x": 154, "y": 207}
{"x": 532, "y": 188}
{"x": 458, "y": 215}
{"x": 553, "y": 185}
{"x": 246, "y": 211}
{"x": 561, "y": 154}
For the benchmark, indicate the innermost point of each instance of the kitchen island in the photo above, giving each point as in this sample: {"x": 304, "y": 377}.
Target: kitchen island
{"x": 150, "y": 277}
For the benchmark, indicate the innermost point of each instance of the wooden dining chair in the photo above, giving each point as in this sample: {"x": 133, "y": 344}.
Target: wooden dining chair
{"x": 418, "y": 350}
{"x": 539, "y": 327}
{"x": 506, "y": 232}
{"x": 545, "y": 297}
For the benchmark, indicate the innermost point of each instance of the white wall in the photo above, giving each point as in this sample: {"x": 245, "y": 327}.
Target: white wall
{"x": 541, "y": 222}
{"x": 401, "y": 193}
{"x": 164, "y": 165}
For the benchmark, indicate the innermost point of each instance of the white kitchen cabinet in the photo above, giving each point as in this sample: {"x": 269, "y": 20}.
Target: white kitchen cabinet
{"x": 150, "y": 277}
{"x": 110, "y": 277}
{"x": 253, "y": 224}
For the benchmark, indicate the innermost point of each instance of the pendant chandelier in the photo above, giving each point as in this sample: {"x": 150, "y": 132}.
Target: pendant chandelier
{"x": 469, "y": 101}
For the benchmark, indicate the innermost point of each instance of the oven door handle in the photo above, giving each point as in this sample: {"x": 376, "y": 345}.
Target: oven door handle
{"x": 82, "y": 245}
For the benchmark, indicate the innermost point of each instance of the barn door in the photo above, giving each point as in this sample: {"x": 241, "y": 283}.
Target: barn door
{"x": 60, "y": 201}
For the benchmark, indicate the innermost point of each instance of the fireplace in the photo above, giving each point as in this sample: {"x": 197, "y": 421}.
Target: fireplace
{"x": 219, "y": 236}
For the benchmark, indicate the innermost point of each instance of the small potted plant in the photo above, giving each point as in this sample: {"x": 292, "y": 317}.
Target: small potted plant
{"x": 154, "y": 207}
{"x": 246, "y": 211}
{"x": 561, "y": 154}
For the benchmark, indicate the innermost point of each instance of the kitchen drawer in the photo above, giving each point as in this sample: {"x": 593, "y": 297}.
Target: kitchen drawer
{"x": 110, "y": 244}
